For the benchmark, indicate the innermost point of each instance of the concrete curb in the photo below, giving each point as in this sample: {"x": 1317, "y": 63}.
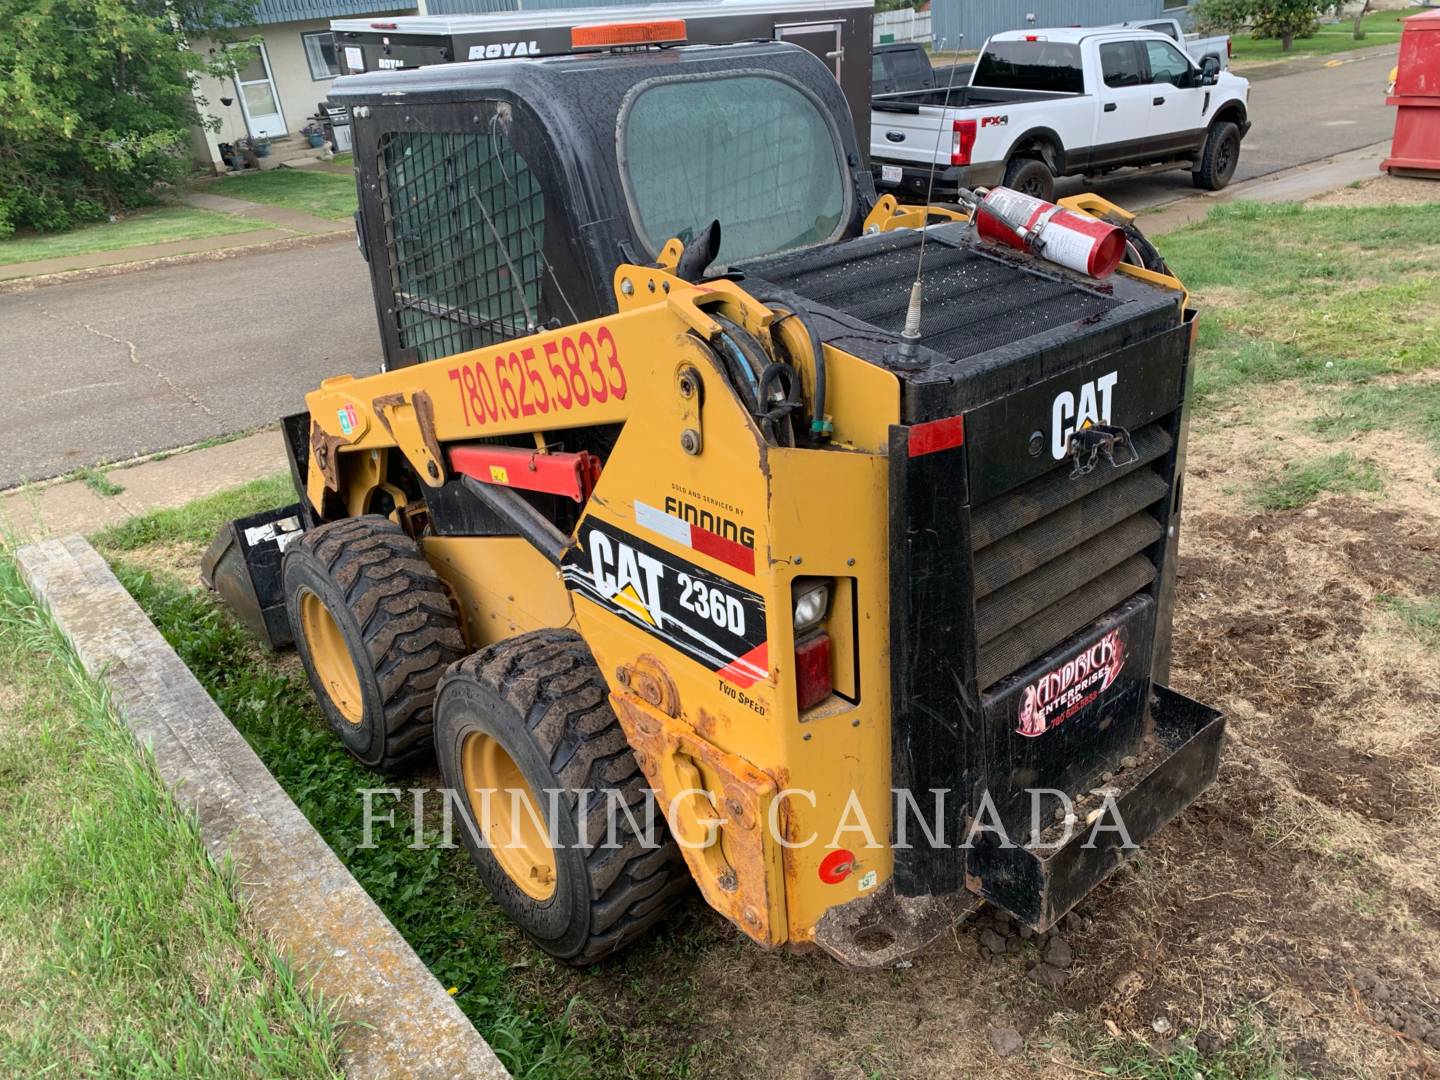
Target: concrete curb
{"x": 398, "y": 1021}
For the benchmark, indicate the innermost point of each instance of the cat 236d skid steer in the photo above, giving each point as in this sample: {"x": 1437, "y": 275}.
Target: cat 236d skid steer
{"x": 671, "y": 484}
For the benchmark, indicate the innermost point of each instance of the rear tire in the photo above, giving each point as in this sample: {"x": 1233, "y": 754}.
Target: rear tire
{"x": 538, "y": 702}
{"x": 1218, "y": 157}
{"x": 375, "y": 631}
{"x": 1030, "y": 176}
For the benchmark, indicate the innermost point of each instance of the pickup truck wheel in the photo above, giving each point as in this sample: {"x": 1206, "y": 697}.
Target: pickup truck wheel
{"x": 1218, "y": 158}
{"x": 1031, "y": 176}
{"x": 531, "y": 715}
{"x": 375, "y": 631}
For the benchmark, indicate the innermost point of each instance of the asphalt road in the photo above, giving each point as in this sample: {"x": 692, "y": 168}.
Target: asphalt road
{"x": 110, "y": 368}
{"x": 115, "y": 367}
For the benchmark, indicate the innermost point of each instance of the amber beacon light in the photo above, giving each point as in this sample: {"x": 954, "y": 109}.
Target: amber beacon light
{"x": 609, "y": 35}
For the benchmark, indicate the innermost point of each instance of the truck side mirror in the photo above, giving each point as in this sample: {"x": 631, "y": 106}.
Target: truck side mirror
{"x": 1209, "y": 71}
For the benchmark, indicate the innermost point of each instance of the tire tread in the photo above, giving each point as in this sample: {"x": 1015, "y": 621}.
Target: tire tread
{"x": 409, "y": 627}
{"x": 550, "y": 678}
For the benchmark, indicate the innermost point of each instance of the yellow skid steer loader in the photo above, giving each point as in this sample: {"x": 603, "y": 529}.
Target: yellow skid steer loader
{"x": 715, "y": 521}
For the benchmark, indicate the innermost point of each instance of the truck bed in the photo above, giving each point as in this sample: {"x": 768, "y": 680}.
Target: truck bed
{"x": 962, "y": 97}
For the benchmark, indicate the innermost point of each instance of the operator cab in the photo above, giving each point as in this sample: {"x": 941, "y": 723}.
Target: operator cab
{"x": 498, "y": 197}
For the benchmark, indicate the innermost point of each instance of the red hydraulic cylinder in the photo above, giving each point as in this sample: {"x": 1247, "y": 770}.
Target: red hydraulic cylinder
{"x": 1415, "y": 149}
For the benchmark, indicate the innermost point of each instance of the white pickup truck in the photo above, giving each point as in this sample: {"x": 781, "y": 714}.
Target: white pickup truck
{"x": 1048, "y": 103}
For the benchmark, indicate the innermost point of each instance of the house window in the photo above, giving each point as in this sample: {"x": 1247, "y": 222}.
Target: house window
{"x": 320, "y": 52}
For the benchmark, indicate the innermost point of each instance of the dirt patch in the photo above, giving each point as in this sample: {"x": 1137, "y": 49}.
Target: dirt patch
{"x": 178, "y": 560}
{"x": 1383, "y": 191}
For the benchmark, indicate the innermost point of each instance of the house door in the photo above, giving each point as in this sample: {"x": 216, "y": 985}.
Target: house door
{"x": 821, "y": 38}
{"x": 259, "y": 100}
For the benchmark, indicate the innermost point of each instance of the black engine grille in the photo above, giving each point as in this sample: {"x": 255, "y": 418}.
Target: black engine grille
{"x": 976, "y": 299}
{"x": 1054, "y": 554}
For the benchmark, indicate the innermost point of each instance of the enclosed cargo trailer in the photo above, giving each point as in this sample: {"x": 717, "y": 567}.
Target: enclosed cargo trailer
{"x": 839, "y": 32}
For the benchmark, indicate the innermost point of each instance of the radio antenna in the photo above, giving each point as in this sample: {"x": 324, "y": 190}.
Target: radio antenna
{"x": 910, "y": 335}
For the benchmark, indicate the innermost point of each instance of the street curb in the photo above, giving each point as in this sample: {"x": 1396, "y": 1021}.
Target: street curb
{"x": 65, "y": 277}
{"x": 397, "y": 1020}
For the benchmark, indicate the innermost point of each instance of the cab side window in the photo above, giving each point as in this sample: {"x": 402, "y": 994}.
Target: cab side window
{"x": 1167, "y": 63}
{"x": 464, "y": 227}
{"x": 1120, "y": 64}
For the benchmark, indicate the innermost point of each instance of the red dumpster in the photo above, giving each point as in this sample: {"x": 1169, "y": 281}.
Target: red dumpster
{"x": 1415, "y": 150}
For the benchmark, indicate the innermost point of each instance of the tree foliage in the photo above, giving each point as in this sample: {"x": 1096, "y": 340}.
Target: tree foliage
{"x": 1283, "y": 19}
{"x": 96, "y": 102}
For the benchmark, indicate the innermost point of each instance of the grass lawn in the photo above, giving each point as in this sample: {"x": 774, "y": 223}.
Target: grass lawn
{"x": 1381, "y": 28}
{"x": 1323, "y": 295}
{"x": 122, "y": 951}
{"x": 155, "y": 226}
{"x": 324, "y": 194}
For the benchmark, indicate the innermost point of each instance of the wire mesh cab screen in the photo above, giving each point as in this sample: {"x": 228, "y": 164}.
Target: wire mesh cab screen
{"x": 464, "y": 233}
{"x": 754, "y": 152}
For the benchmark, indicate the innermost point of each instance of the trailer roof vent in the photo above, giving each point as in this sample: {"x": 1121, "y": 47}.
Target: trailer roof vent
{"x": 612, "y": 35}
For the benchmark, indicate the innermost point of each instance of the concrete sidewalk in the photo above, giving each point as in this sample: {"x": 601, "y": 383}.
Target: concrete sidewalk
{"x": 1292, "y": 185}
{"x": 41, "y": 510}
{"x": 295, "y": 221}
{"x": 284, "y": 227}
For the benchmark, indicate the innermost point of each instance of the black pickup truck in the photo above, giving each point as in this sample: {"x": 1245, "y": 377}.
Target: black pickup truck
{"x": 898, "y": 67}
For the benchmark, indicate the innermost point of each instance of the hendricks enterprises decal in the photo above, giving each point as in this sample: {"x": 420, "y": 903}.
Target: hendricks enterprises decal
{"x": 713, "y": 621}
{"x": 1063, "y": 691}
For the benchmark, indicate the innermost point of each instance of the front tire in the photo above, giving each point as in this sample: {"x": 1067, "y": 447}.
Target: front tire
{"x": 1031, "y": 176}
{"x": 1218, "y": 158}
{"x": 375, "y": 631}
{"x": 532, "y": 715}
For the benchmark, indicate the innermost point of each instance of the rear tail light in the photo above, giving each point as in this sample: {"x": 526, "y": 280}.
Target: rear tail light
{"x": 962, "y": 142}
{"x": 384, "y": 26}
{"x": 1229, "y": 46}
{"x": 812, "y": 671}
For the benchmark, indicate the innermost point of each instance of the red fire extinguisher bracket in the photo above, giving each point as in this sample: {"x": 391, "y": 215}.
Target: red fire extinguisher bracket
{"x": 1415, "y": 148}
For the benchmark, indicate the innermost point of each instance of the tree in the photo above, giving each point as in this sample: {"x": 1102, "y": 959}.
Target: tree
{"x": 1283, "y": 19}
{"x": 1287, "y": 19}
{"x": 96, "y": 102}
{"x": 1358, "y": 31}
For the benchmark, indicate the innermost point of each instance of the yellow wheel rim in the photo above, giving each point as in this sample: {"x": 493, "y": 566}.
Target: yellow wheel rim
{"x": 331, "y": 658}
{"x": 509, "y": 816}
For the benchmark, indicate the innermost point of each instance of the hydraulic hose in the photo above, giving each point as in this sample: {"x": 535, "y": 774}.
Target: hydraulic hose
{"x": 794, "y": 308}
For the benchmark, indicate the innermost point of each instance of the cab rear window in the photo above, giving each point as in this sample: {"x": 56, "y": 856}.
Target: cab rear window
{"x": 753, "y": 152}
{"x": 1031, "y": 65}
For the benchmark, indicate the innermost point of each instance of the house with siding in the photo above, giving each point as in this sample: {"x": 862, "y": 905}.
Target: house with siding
{"x": 278, "y": 91}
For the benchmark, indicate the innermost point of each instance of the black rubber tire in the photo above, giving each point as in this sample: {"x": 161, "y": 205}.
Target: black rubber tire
{"x": 398, "y": 626}
{"x": 541, "y": 696}
{"x": 1218, "y": 157}
{"x": 1147, "y": 253}
{"x": 1031, "y": 176}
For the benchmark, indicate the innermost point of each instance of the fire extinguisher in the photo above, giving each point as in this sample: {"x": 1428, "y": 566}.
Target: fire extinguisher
{"x": 1076, "y": 241}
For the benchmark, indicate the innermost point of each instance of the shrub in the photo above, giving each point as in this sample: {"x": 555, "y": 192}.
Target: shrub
{"x": 96, "y": 102}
